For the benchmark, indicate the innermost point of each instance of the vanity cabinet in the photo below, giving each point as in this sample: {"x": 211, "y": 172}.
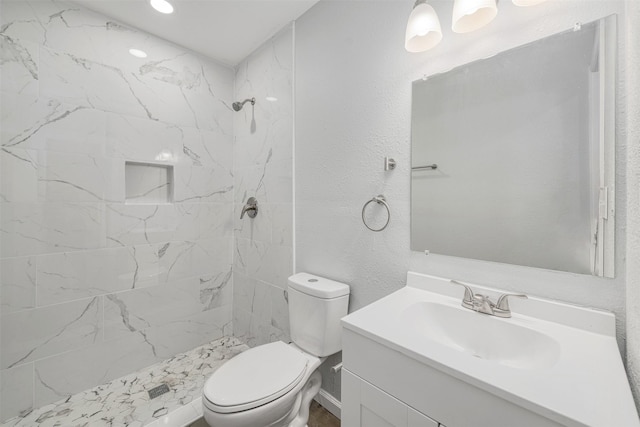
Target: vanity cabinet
{"x": 384, "y": 387}
{"x": 368, "y": 406}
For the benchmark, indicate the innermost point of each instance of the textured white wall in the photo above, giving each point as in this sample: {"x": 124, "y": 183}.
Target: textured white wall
{"x": 353, "y": 93}
{"x": 633, "y": 176}
{"x": 542, "y": 92}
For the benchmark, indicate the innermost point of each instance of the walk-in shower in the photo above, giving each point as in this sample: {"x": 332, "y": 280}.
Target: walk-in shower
{"x": 237, "y": 106}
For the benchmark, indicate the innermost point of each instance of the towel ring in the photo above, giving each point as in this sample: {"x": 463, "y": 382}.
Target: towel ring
{"x": 379, "y": 199}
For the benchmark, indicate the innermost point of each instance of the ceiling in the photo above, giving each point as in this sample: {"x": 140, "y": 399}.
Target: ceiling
{"x": 225, "y": 30}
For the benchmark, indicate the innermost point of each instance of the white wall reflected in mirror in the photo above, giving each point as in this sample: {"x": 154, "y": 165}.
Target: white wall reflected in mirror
{"x": 525, "y": 147}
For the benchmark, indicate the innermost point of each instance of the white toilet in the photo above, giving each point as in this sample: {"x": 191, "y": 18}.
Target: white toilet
{"x": 272, "y": 385}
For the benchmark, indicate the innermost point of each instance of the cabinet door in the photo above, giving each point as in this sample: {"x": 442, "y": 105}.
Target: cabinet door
{"x": 364, "y": 405}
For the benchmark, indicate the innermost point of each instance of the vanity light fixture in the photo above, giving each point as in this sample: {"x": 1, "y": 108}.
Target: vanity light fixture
{"x": 162, "y": 6}
{"x": 423, "y": 28}
{"x": 138, "y": 53}
{"x": 470, "y": 15}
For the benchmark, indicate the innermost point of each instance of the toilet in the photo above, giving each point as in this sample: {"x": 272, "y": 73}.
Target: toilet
{"x": 272, "y": 385}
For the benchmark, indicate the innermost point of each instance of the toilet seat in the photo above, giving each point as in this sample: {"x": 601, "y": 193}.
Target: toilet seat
{"x": 256, "y": 377}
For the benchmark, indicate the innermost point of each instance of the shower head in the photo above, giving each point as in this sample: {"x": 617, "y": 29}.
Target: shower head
{"x": 237, "y": 106}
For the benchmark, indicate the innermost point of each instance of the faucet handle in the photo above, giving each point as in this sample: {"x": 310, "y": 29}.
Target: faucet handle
{"x": 503, "y": 302}
{"x": 468, "y": 293}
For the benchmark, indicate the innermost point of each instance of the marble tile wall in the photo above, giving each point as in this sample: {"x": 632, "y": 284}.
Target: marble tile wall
{"x": 93, "y": 287}
{"x": 263, "y": 164}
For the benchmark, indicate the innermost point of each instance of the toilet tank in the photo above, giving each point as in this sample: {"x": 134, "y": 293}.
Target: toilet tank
{"x": 316, "y": 306}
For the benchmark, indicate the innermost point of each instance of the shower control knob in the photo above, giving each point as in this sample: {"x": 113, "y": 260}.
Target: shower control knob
{"x": 250, "y": 208}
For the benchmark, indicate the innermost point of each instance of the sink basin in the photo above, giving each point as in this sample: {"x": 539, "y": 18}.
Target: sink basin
{"x": 502, "y": 341}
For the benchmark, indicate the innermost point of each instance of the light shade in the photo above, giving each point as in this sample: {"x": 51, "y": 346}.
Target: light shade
{"x": 527, "y": 2}
{"x": 469, "y": 15}
{"x": 423, "y": 28}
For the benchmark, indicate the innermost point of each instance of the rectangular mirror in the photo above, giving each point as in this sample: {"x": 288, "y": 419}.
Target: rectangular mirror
{"x": 513, "y": 156}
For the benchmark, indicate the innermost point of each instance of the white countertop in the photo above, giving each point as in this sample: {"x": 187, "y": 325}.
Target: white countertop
{"x": 585, "y": 386}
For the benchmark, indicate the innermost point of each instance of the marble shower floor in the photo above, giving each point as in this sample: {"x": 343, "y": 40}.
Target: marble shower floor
{"x": 125, "y": 401}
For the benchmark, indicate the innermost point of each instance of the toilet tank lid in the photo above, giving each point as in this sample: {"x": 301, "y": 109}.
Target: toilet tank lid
{"x": 317, "y": 286}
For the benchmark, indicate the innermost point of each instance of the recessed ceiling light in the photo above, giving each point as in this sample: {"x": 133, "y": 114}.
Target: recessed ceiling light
{"x": 162, "y": 6}
{"x": 164, "y": 156}
{"x": 138, "y": 53}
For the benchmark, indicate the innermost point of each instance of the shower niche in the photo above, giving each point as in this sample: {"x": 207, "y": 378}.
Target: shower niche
{"x": 148, "y": 183}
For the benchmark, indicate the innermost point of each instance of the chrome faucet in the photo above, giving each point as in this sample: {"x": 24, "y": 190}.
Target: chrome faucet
{"x": 483, "y": 304}
{"x": 250, "y": 208}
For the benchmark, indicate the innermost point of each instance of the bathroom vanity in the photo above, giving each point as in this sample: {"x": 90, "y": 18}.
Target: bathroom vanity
{"x": 417, "y": 358}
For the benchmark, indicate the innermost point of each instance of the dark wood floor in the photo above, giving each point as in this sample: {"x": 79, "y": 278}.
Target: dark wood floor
{"x": 320, "y": 417}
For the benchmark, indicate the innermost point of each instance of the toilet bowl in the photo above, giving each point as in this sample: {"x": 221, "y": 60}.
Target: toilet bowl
{"x": 264, "y": 386}
{"x": 272, "y": 385}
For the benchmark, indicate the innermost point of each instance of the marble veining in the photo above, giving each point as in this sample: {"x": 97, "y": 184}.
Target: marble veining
{"x": 125, "y": 401}
{"x": 263, "y": 158}
{"x": 96, "y": 281}
{"x": 157, "y": 278}
{"x": 33, "y": 334}
{"x": 18, "y": 284}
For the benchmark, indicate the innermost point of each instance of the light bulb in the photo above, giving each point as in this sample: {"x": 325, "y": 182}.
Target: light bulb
{"x": 162, "y": 6}
{"x": 138, "y": 53}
